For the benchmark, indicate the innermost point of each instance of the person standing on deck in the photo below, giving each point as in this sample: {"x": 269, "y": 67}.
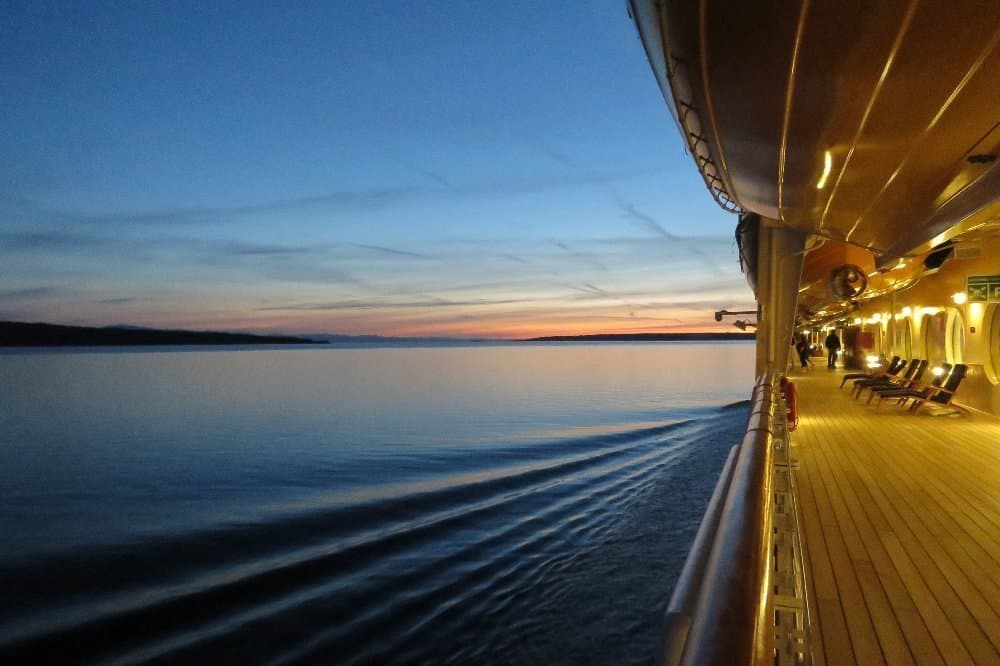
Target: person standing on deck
{"x": 832, "y": 345}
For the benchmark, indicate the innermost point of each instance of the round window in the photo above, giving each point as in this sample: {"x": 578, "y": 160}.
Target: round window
{"x": 995, "y": 342}
{"x": 956, "y": 336}
{"x": 934, "y": 330}
{"x": 875, "y": 331}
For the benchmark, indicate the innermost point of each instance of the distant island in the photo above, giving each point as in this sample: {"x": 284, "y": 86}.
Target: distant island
{"x": 19, "y": 334}
{"x": 642, "y": 337}
{"x": 383, "y": 340}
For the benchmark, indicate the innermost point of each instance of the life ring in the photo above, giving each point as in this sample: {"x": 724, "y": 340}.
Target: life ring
{"x": 791, "y": 396}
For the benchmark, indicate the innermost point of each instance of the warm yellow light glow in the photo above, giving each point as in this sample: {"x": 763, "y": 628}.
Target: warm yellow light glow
{"x": 930, "y": 311}
{"x": 975, "y": 311}
{"x": 901, "y": 264}
{"x": 827, "y": 165}
{"x": 960, "y": 297}
{"x": 907, "y": 311}
{"x": 857, "y": 321}
{"x": 877, "y": 317}
{"x": 937, "y": 371}
{"x": 872, "y": 358}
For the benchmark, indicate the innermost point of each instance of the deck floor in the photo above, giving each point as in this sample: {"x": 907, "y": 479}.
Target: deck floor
{"x": 901, "y": 521}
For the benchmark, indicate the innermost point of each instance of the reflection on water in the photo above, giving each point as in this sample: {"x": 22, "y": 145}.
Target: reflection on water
{"x": 355, "y": 504}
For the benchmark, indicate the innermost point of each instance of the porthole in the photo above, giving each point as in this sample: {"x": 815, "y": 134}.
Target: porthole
{"x": 875, "y": 331}
{"x": 934, "y": 329}
{"x": 956, "y": 336}
{"x": 907, "y": 339}
{"x": 994, "y": 363}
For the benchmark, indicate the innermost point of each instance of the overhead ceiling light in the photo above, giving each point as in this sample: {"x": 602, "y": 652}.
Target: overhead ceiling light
{"x": 960, "y": 297}
{"x": 827, "y": 165}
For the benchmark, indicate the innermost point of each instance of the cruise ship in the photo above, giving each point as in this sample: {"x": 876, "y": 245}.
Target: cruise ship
{"x": 857, "y": 146}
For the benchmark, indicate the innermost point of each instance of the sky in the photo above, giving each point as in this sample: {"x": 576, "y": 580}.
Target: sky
{"x": 396, "y": 168}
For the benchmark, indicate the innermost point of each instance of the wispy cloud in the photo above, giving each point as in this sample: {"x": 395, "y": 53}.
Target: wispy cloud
{"x": 255, "y": 250}
{"x": 59, "y": 239}
{"x": 645, "y": 221}
{"x": 333, "y": 202}
{"x": 428, "y": 173}
{"x": 346, "y": 200}
{"x": 586, "y": 258}
{"x": 514, "y": 257}
{"x": 388, "y": 304}
{"x": 648, "y": 222}
{"x": 25, "y": 294}
{"x": 543, "y": 148}
{"x": 393, "y": 251}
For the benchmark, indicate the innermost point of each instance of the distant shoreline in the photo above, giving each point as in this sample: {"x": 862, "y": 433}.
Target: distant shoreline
{"x": 18, "y": 334}
{"x": 640, "y": 337}
{"x": 24, "y": 334}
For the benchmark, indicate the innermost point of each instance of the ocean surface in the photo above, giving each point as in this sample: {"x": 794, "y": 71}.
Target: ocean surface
{"x": 528, "y": 503}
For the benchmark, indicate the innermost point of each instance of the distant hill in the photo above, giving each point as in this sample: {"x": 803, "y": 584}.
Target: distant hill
{"x": 337, "y": 338}
{"x": 643, "y": 337}
{"x": 18, "y": 334}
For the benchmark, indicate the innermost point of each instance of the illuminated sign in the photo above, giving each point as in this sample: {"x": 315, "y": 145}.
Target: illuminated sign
{"x": 983, "y": 288}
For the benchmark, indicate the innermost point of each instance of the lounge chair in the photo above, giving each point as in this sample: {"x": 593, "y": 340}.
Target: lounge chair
{"x": 885, "y": 380}
{"x": 891, "y": 372}
{"x": 910, "y": 382}
{"x": 943, "y": 395}
{"x": 902, "y": 395}
{"x": 895, "y": 365}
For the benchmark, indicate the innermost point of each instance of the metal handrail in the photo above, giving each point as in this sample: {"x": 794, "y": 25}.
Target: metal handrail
{"x": 682, "y": 600}
{"x": 718, "y": 611}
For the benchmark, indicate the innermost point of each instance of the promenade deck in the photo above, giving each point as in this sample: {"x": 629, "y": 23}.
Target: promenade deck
{"x": 901, "y": 521}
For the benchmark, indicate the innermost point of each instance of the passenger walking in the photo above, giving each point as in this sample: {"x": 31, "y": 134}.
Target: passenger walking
{"x": 802, "y": 347}
{"x": 832, "y": 345}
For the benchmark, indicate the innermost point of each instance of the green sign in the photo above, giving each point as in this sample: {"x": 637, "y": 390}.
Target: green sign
{"x": 983, "y": 288}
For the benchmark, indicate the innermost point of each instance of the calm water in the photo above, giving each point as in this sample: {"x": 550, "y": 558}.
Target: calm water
{"x": 496, "y": 504}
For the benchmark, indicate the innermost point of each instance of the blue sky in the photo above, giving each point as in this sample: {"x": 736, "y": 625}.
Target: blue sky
{"x": 497, "y": 169}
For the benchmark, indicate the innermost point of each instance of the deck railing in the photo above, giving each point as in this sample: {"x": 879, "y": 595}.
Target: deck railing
{"x": 719, "y": 610}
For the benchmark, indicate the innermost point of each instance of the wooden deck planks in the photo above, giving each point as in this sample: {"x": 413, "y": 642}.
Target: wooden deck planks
{"x": 901, "y": 515}
{"x": 935, "y": 578}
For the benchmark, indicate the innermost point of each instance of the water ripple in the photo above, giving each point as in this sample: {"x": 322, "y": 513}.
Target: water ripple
{"x": 388, "y": 572}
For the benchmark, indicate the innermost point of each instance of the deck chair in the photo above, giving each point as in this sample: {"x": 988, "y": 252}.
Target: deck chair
{"x": 910, "y": 382}
{"x": 883, "y": 377}
{"x": 895, "y": 365}
{"x": 885, "y": 380}
{"x": 942, "y": 396}
{"x": 903, "y": 395}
